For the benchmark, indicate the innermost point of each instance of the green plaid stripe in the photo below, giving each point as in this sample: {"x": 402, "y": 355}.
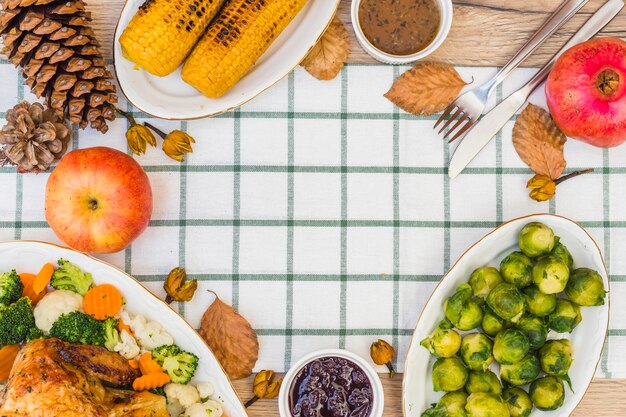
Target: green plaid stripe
{"x": 255, "y": 248}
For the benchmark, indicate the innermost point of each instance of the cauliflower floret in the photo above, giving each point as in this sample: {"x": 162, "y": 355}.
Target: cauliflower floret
{"x": 128, "y": 347}
{"x": 174, "y": 408}
{"x": 205, "y": 389}
{"x": 187, "y": 395}
{"x": 53, "y": 304}
{"x": 208, "y": 409}
{"x": 149, "y": 334}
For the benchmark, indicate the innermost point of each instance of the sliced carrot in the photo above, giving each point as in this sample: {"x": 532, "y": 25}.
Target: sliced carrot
{"x": 43, "y": 278}
{"x": 147, "y": 365}
{"x": 133, "y": 363}
{"x": 102, "y": 301}
{"x": 151, "y": 381}
{"x": 7, "y": 358}
{"x": 123, "y": 326}
{"x": 28, "y": 291}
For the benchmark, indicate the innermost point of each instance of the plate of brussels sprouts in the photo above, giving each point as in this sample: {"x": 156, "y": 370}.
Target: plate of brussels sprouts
{"x": 516, "y": 328}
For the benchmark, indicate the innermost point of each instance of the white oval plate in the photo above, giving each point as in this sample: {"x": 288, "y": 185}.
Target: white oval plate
{"x": 171, "y": 98}
{"x": 28, "y": 256}
{"x": 588, "y": 337}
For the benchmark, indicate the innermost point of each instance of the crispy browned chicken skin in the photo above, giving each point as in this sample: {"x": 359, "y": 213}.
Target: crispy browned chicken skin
{"x": 52, "y": 378}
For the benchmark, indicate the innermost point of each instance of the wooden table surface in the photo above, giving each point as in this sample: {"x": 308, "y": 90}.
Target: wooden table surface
{"x": 484, "y": 33}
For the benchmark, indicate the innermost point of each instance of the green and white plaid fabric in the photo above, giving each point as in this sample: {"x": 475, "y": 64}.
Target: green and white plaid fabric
{"x": 325, "y": 215}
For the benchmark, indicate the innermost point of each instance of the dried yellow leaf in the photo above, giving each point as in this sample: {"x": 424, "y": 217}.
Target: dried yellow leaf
{"x": 326, "y": 59}
{"x": 427, "y": 88}
{"x": 539, "y": 142}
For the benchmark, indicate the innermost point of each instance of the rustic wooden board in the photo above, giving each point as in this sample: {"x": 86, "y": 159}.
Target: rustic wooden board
{"x": 484, "y": 32}
{"x": 605, "y": 398}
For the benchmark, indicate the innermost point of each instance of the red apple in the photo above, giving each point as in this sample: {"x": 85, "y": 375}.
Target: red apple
{"x": 586, "y": 92}
{"x": 98, "y": 200}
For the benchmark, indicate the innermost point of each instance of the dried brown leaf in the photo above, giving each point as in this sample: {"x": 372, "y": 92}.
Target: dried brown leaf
{"x": 539, "y": 142}
{"x": 326, "y": 59}
{"x": 231, "y": 338}
{"x": 427, "y": 88}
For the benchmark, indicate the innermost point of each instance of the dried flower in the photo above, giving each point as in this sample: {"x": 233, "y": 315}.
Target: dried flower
{"x": 264, "y": 386}
{"x": 382, "y": 353}
{"x": 138, "y": 136}
{"x": 542, "y": 188}
{"x": 175, "y": 144}
{"x": 177, "y": 287}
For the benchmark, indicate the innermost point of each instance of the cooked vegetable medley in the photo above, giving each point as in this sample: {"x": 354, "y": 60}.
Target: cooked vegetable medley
{"x": 504, "y": 317}
{"x": 63, "y": 302}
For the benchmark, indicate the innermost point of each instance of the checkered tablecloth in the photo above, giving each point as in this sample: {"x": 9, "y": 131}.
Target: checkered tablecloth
{"x": 325, "y": 215}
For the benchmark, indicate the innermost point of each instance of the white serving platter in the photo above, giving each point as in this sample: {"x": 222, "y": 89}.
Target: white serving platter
{"x": 588, "y": 337}
{"x": 29, "y": 256}
{"x": 171, "y": 98}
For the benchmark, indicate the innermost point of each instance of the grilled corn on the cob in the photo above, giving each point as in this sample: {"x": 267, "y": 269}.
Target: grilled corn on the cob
{"x": 239, "y": 35}
{"x": 162, "y": 33}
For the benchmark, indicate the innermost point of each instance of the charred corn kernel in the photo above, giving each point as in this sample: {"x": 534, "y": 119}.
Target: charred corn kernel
{"x": 239, "y": 35}
{"x": 162, "y": 33}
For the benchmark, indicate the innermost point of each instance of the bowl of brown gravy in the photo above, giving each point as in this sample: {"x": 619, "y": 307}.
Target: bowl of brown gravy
{"x": 401, "y": 31}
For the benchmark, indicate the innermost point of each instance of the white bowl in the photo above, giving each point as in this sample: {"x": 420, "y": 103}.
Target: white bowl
{"x": 29, "y": 256}
{"x": 445, "y": 6}
{"x": 172, "y": 99}
{"x": 378, "y": 397}
{"x": 587, "y": 338}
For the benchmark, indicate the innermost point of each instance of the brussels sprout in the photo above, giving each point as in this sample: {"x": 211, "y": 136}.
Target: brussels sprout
{"x": 492, "y": 324}
{"x": 522, "y": 372}
{"x": 507, "y": 302}
{"x": 535, "y": 330}
{"x": 538, "y": 303}
{"x": 536, "y": 239}
{"x": 484, "y": 404}
{"x": 517, "y": 269}
{"x": 550, "y": 274}
{"x": 454, "y": 403}
{"x": 556, "y": 357}
{"x": 443, "y": 342}
{"x": 547, "y": 393}
{"x": 483, "y": 280}
{"x": 510, "y": 346}
{"x": 449, "y": 374}
{"x": 565, "y": 317}
{"x": 518, "y": 401}
{"x": 462, "y": 311}
{"x": 560, "y": 251}
{"x": 483, "y": 381}
{"x": 585, "y": 288}
{"x": 476, "y": 351}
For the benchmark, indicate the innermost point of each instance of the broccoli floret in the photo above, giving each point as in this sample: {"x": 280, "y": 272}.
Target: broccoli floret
{"x": 70, "y": 277}
{"x": 34, "y": 334}
{"x": 158, "y": 391}
{"x": 11, "y": 287}
{"x": 16, "y": 322}
{"x": 77, "y": 327}
{"x": 178, "y": 364}
{"x": 111, "y": 334}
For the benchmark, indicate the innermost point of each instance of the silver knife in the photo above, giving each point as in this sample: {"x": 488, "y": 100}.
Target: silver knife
{"x": 491, "y": 123}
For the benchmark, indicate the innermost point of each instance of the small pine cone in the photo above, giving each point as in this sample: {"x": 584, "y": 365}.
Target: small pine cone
{"x": 33, "y": 138}
{"x": 60, "y": 58}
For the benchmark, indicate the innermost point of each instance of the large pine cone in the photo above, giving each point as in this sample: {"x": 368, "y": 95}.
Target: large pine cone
{"x": 60, "y": 58}
{"x": 33, "y": 138}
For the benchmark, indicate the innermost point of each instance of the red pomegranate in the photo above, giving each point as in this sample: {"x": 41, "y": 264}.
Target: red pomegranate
{"x": 586, "y": 92}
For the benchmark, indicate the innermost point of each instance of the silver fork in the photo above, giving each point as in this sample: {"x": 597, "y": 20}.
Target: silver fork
{"x": 468, "y": 107}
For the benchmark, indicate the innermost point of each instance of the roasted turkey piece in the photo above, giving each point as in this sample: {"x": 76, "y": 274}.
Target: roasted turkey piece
{"x": 52, "y": 378}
